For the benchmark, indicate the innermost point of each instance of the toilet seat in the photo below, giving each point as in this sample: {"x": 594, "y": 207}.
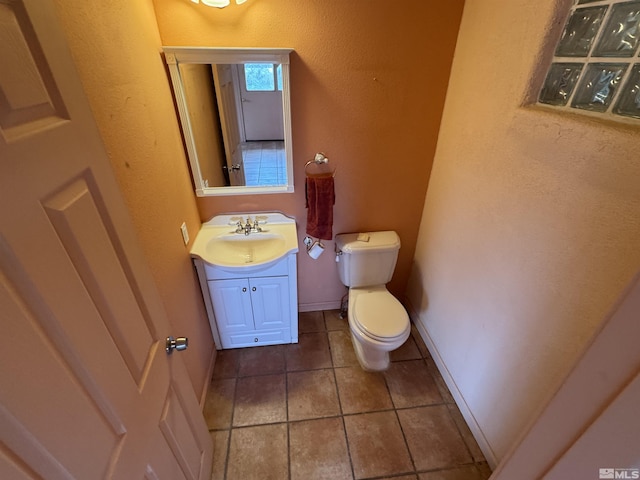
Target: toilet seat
{"x": 379, "y": 315}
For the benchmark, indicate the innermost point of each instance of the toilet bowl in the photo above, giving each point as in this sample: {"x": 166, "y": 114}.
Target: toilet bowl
{"x": 378, "y": 323}
{"x": 377, "y": 320}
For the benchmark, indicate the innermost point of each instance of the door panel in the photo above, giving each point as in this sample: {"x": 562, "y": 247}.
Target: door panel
{"x": 48, "y": 388}
{"x": 232, "y": 302}
{"x": 84, "y": 235}
{"x": 270, "y": 297}
{"x": 32, "y": 100}
{"x": 229, "y": 123}
{"x": 88, "y": 390}
{"x": 611, "y": 441}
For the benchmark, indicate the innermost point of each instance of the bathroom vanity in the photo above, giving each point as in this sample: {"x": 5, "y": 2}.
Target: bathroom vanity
{"x": 246, "y": 265}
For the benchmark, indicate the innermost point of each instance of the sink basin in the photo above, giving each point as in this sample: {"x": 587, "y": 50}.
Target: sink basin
{"x": 218, "y": 244}
{"x": 237, "y": 249}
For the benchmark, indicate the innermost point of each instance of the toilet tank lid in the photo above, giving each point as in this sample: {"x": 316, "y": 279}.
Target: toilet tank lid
{"x": 369, "y": 241}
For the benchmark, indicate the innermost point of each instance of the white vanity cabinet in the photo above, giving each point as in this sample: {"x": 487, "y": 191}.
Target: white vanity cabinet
{"x": 258, "y": 307}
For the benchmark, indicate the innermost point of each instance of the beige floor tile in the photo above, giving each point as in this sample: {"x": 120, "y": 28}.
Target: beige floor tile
{"x": 262, "y": 360}
{"x": 442, "y": 386}
{"x": 259, "y": 400}
{"x": 311, "y": 352}
{"x": 333, "y": 321}
{"x": 310, "y": 322}
{"x": 227, "y": 363}
{"x": 258, "y": 453}
{"x": 420, "y": 342}
{"x": 319, "y": 450}
{"x": 342, "y": 420}
{"x": 462, "y": 473}
{"x": 465, "y": 431}
{"x": 218, "y": 406}
{"x": 402, "y": 477}
{"x": 432, "y": 437}
{"x": 342, "y": 352}
{"x": 312, "y": 394}
{"x": 220, "y": 440}
{"x": 407, "y": 351}
{"x": 485, "y": 470}
{"x": 411, "y": 384}
{"x": 362, "y": 391}
{"x": 377, "y": 445}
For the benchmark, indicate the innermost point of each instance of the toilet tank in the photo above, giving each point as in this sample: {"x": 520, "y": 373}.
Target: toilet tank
{"x": 364, "y": 263}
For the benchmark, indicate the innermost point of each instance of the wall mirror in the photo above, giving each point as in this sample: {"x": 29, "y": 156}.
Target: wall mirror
{"x": 235, "y": 115}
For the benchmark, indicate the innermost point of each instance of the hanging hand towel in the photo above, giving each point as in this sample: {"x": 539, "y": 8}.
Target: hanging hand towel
{"x": 320, "y": 198}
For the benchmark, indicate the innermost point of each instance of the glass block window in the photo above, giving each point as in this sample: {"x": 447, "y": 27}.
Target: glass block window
{"x": 596, "y": 64}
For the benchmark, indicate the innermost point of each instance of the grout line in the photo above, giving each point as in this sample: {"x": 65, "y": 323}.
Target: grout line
{"x": 289, "y": 448}
{"x": 476, "y": 464}
{"x": 286, "y": 407}
{"x": 233, "y": 408}
{"x": 342, "y": 414}
{"x": 462, "y": 435}
{"x": 395, "y": 412}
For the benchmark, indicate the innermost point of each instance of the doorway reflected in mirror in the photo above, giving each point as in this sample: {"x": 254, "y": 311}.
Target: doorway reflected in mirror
{"x": 265, "y": 163}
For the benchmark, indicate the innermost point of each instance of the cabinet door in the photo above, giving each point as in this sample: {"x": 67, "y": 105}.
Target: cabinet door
{"x": 270, "y": 300}
{"x": 232, "y": 305}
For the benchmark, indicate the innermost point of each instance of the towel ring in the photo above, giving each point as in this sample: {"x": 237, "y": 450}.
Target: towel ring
{"x": 319, "y": 159}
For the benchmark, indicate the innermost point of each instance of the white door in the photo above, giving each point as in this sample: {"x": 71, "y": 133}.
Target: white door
{"x": 86, "y": 387}
{"x": 590, "y": 427}
{"x": 229, "y": 123}
{"x": 609, "y": 447}
{"x": 262, "y": 110}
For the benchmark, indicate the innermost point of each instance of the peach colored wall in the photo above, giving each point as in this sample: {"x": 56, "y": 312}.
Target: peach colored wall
{"x": 368, "y": 84}
{"x": 117, "y": 50}
{"x": 531, "y": 224}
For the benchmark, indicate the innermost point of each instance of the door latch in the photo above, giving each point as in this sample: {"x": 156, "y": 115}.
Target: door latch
{"x": 180, "y": 343}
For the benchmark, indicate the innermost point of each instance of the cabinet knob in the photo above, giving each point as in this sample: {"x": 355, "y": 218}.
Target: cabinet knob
{"x": 253, "y": 289}
{"x": 244, "y": 289}
{"x": 255, "y": 339}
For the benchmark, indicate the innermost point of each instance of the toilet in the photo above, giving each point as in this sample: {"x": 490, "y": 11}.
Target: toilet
{"x": 377, "y": 320}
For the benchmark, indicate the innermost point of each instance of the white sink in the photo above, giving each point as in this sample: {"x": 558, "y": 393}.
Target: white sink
{"x": 217, "y": 242}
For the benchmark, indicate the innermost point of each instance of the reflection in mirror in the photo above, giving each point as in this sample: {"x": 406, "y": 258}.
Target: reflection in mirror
{"x": 235, "y": 116}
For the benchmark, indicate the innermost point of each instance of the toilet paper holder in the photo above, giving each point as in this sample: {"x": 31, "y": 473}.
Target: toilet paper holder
{"x": 314, "y": 247}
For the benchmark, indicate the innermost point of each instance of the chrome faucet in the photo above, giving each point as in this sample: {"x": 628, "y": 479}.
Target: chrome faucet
{"x": 247, "y": 227}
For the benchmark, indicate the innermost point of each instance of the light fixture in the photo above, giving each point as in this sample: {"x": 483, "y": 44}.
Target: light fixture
{"x": 217, "y": 3}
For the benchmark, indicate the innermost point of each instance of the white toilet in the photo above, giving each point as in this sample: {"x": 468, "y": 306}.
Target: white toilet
{"x": 377, "y": 320}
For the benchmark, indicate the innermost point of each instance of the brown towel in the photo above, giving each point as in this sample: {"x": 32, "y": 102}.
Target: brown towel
{"x": 320, "y": 198}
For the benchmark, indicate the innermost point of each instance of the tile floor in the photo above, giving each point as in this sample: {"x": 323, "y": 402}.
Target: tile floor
{"x": 264, "y": 163}
{"x": 308, "y": 411}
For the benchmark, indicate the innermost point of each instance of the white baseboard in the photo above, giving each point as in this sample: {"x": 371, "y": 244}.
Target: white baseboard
{"x": 314, "y": 307}
{"x": 487, "y": 451}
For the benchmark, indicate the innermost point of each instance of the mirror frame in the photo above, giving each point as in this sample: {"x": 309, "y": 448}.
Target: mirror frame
{"x": 174, "y": 56}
